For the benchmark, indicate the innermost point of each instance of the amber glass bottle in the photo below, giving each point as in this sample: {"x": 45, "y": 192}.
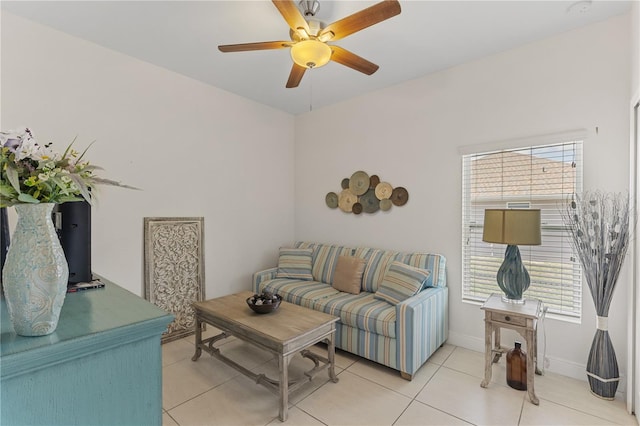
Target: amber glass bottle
{"x": 517, "y": 368}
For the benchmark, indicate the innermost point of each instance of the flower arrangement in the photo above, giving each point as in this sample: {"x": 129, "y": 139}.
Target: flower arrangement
{"x": 599, "y": 225}
{"x": 34, "y": 173}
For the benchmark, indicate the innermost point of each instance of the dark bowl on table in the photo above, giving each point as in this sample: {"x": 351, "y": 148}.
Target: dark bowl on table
{"x": 264, "y": 308}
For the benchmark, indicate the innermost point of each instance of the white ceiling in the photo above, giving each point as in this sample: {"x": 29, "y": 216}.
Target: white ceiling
{"x": 426, "y": 37}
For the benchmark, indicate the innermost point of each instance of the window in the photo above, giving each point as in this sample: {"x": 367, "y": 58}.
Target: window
{"x": 538, "y": 177}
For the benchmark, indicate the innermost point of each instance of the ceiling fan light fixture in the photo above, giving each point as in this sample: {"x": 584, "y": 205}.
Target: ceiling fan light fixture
{"x": 310, "y": 53}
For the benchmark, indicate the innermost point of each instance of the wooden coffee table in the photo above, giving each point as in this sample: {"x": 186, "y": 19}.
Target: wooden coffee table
{"x": 285, "y": 332}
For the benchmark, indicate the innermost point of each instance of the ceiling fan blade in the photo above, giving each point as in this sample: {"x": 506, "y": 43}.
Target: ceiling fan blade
{"x": 353, "y": 61}
{"x": 361, "y": 20}
{"x": 291, "y": 14}
{"x": 295, "y": 76}
{"x": 264, "y": 45}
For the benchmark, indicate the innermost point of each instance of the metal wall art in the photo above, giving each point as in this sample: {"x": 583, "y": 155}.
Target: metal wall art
{"x": 174, "y": 269}
{"x": 364, "y": 193}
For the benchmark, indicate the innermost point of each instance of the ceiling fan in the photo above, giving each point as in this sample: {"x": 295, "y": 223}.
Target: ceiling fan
{"x": 310, "y": 37}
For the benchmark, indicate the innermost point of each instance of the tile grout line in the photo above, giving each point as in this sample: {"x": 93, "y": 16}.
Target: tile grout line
{"x": 440, "y": 366}
{"x": 580, "y": 411}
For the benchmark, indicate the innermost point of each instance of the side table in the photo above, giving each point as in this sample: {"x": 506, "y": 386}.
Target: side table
{"x": 522, "y": 318}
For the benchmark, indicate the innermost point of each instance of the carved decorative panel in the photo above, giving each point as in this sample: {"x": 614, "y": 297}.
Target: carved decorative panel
{"x": 174, "y": 269}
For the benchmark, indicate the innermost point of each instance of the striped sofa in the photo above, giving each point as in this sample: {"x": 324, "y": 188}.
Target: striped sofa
{"x": 401, "y": 336}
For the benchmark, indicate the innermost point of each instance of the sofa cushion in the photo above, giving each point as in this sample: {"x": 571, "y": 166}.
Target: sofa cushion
{"x": 324, "y": 259}
{"x": 378, "y": 262}
{"x": 361, "y": 311}
{"x": 295, "y": 263}
{"x": 401, "y": 282}
{"x": 431, "y": 262}
{"x": 300, "y": 292}
{"x": 348, "y": 274}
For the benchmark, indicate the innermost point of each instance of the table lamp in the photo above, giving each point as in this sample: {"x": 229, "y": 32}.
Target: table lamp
{"x": 512, "y": 227}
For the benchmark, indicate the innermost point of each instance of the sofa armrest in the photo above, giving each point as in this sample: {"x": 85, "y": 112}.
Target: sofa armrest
{"x": 260, "y": 276}
{"x": 422, "y": 326}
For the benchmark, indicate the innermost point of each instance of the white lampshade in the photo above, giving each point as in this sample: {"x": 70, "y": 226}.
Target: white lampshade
{"x": 310, "y": 53}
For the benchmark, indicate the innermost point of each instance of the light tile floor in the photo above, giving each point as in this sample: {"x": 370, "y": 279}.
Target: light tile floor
{"x": 445, "y": 391}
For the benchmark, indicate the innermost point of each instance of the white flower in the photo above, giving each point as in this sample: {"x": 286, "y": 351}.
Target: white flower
{"x": 45, "y": 153}
{"x": 13, "y": 138}
{"x": 28, "y": 148}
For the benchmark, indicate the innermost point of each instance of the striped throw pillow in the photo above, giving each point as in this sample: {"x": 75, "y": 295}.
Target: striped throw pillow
{"x": 401, "y": 282}
{"x": 295, "y": 263}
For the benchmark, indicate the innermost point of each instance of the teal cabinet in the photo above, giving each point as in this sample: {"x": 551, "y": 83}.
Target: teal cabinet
{"x": 102, "y": 365}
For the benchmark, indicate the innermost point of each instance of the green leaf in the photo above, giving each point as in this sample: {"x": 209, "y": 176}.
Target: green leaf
{"x": 26, "y": 198}
{"x": 82, "y": 186}
{"x": 84, "y": 152}
{"x": 61, "y": 186}
{"x": 7, "y": 191}
{"x": 68, "y": 198}
{"x": 12, "y": 175}
{"x": 66, "y": 151}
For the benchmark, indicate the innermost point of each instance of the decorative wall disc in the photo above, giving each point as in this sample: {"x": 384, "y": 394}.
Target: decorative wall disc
{"x": 385, "y": 204}
{"x": 383, "y": 190}
{"x": 359, "y": 183}
{"x": 399, "y": 196}
{"x": 362, "y": 193}
{"x": 374, "y": 180}
{"x": 332, "y": 200}
{"x": 369, "y": 201}
{"x": 346, "y": 200}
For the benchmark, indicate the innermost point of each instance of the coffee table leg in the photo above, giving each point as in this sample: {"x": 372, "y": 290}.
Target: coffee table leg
{"x": 331, "y": 355}
{"x": 283, "y": 366}
{"x": 198, "y": 339}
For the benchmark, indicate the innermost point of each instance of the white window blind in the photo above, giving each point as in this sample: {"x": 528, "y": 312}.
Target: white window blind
{"x": 540, "y": 177}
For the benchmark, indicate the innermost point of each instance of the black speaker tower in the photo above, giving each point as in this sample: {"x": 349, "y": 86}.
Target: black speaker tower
{"x": 73, "y": 222}
{"x": 4, "y": 238}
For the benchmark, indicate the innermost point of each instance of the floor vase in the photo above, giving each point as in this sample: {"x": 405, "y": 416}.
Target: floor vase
{"x": 602, "y": 366}
{"x": 598, "y": 224}
{"x": 35, "y": 272}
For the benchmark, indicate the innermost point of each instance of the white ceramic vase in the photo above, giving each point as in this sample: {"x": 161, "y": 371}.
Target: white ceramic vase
{"x": 35, "y": 272}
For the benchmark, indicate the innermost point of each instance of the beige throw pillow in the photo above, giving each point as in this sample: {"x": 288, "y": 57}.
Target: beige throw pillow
{"x": 348, "y": 274}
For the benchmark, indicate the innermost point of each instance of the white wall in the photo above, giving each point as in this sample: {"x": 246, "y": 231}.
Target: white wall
{"x": 194, "y": 150}
{"x": 633, "y": 397}
{"x": 635, "y": 47}
{"x": 410, "y": 134}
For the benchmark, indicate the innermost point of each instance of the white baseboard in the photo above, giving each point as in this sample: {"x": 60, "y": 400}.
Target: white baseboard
{"x": 465, "y": 341}
{"x": 553, "y": 364}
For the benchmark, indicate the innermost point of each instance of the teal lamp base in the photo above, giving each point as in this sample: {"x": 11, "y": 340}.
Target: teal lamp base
{"x": 513, "y": 278}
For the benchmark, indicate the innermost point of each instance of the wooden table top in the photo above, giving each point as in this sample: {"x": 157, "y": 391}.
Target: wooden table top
{"x": 530, "y": 309}
{"x": 286, "y": 323}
